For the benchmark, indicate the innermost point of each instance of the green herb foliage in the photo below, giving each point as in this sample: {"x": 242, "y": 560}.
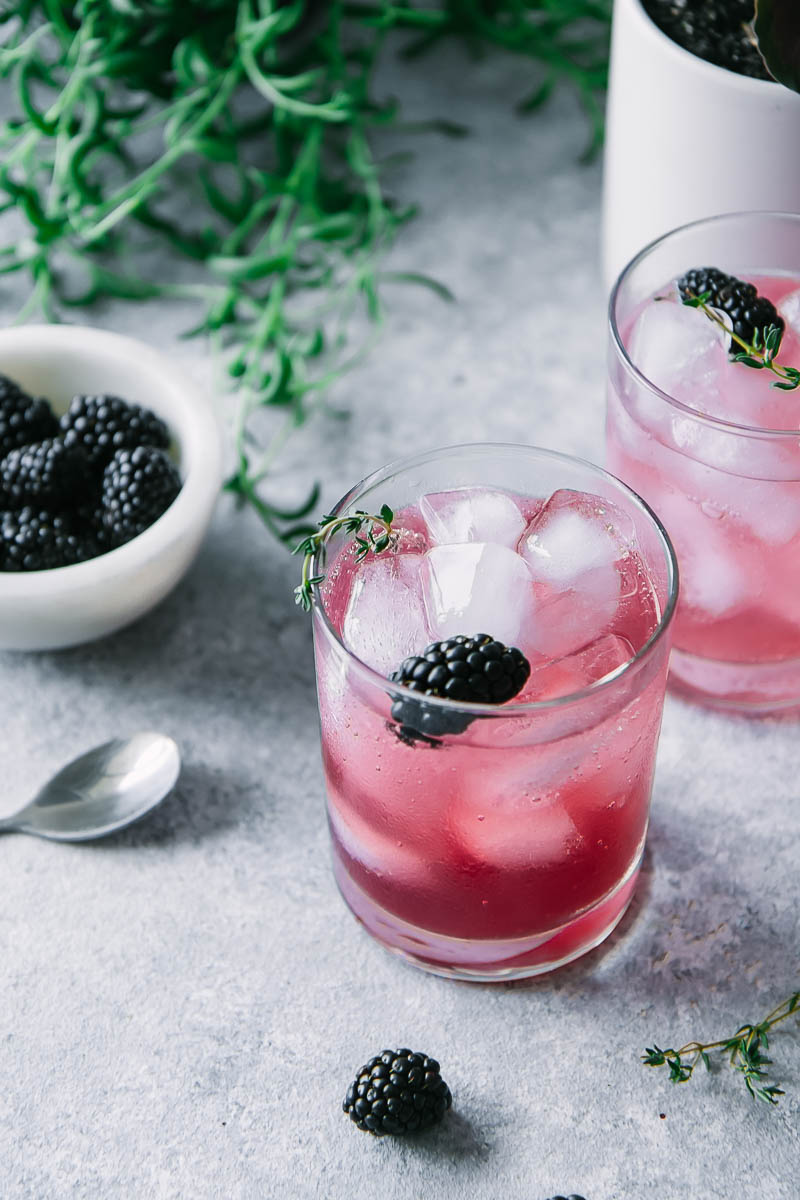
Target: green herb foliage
{"x": 370, "y": 533}
{"x": 760, "y": 354}
{"x": 744, "y": 1050}
{"x": 264, "y": 178}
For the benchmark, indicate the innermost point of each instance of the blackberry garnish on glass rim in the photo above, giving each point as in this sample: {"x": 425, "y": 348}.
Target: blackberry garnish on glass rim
{"x": 751, "y": 322}
{"x": 467, "y": 670}
{"x": 397, "y": 1092}
{"x": 748, "y": 312}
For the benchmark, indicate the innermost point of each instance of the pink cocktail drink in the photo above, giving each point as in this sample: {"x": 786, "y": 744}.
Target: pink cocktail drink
{"x": 714, "y": 447}
{"x": 482, "y": 840}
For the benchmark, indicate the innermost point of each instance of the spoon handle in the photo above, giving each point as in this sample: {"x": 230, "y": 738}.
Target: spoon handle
{"x": 8, "y": 825}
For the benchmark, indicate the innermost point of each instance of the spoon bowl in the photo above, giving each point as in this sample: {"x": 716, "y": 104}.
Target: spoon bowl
{"x": 101, "y": 791}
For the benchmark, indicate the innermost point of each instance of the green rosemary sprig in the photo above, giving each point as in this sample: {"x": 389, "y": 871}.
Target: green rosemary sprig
{"x": 239, "y": 136}
{"x": 745, "y": 1051}
{"x": 371, "y": 533}
{"x": 760, "y": 354}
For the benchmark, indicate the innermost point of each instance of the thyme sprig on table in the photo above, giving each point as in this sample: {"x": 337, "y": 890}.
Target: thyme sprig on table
{"x": 371, "y": 533}
{"x": 759, "y": 354}
{"x": 238, "y": 136}
{"x": 745, "y": 1051}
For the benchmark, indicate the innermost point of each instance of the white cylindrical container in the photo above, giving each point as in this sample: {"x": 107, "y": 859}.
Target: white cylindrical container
{"x": 686, "y": 139}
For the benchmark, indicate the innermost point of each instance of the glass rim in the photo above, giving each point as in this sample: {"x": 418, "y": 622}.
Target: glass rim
{"x": 732, "y": 427}
{"x": 387, "y": 472}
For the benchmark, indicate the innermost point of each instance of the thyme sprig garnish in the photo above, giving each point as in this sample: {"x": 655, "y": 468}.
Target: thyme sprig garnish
{"x": 760, "y": 354}
{"x": 371, "y": 533}
{"x": 745, "y": 1052}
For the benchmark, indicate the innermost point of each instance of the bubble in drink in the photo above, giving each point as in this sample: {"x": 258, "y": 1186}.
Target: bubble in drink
{"x": 475, "y": 587}
{"x": 472, "y": 515}
{"x": 385, "y": 618}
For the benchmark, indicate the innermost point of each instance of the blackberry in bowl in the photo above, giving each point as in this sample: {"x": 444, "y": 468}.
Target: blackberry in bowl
{"x": 23, "y": 418}
{"x": 105, "y": 493}
{"x": 101, "y": 425}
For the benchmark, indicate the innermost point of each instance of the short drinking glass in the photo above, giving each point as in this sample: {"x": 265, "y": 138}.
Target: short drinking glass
{"x": 714, "y": 446}
{"x": 494, "y": 841}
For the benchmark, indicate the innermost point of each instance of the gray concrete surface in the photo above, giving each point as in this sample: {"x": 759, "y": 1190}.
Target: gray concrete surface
{"x": 183, "y": 1006}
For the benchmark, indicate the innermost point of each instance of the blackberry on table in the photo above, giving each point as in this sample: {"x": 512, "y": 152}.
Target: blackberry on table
{"x": 477, "y": 670}
{"x": 101, "y": 425}
{"x": 31, "y": 540}
{"x": 714, "y": 30}
{"x": 138, "y": 486}
{"x": 739, "y": 300}
{"x": 47, "y": 474}
{"x": 397, "y": 1092}
{"x": 23, "y": 419}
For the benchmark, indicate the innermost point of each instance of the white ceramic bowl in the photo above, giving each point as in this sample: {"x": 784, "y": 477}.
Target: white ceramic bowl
{"x": 45, "y": 610}
{"x": 686, "y": 139}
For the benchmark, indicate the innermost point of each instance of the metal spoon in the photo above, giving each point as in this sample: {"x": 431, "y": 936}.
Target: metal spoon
{"x": 102, "y": 791}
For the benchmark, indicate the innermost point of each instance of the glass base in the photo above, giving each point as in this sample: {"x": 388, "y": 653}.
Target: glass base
{"x": 758, "y": 688}
{"x": 484, "y": 961}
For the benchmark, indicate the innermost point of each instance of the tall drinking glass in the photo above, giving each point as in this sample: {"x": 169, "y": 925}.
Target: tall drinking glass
{"x": 510, "y": 844}
{"x": 715, "y": 450}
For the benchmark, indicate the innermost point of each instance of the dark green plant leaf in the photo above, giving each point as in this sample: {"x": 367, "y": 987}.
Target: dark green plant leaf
{"x": 421, "y": 280}
{"x": 777, "y": 27}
